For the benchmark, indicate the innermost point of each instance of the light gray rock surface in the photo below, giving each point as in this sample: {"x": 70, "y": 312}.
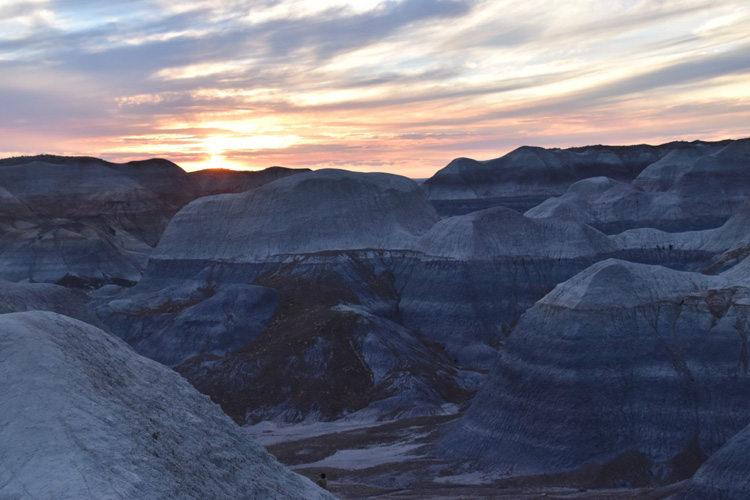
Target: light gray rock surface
{"x": 84, "y": 417}
{"x": 305, "y": 213}
{"x": 621, "y": 356}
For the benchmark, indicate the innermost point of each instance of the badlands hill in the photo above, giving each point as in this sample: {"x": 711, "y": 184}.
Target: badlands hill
{"x": 295, "y": 280}
{"x": 621, "y": 356}
{"x": 529, "y": 175}
{"x": 564, "y": 307}
{"x": 301, "y": 214}
{"x": 83, "y": 221}
{"x": 686, "y": 190}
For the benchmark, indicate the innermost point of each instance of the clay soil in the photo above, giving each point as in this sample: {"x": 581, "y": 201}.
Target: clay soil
{"x": 417, "y": 475}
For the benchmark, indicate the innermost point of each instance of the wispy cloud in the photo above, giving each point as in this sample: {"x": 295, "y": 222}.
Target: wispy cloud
{"x": 404, "y": 84}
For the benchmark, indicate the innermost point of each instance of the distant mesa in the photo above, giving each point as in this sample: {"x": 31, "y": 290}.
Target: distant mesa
{"x": 529, "y": 175}
{"x": 83, "y": 221}
{"x": 696, "y": 186}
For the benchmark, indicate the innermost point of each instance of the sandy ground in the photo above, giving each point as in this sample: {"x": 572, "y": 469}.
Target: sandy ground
{"x": 391, "y": 461}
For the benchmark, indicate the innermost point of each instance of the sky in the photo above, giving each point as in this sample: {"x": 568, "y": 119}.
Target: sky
{"x": 399, "y": 86}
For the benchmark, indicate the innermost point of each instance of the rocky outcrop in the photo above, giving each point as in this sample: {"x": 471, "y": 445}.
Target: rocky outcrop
{"x": 83, "y": 416}
{"x": 331, "y": 348}
{"x": 139, "y": 197}
{"x": 321, "y": 341}
{"x": 14, "y": 214}
{"x": 710, "y": 251}
{"x": 177, "y": 322}
{"x": 72, "y": 254}
{"x": 621, "y": 356}
{"x": 666, "y": 172}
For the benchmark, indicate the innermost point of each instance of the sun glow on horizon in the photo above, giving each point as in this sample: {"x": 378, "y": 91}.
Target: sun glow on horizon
{"x": 399, "y": 86}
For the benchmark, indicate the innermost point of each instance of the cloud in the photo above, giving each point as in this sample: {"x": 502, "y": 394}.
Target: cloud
{"x": 332, "y": 32}
{"x": 341, "y": 75}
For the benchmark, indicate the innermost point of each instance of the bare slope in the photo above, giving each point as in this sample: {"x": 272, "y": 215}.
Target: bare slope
{"x": 620, "y": 356}
{"x": 84, "y": 417}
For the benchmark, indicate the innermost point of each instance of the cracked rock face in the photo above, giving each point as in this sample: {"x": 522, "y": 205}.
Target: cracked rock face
{"x": 620, "y": 356}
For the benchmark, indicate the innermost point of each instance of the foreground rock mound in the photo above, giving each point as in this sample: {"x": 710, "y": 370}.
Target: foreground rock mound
{"x": 621, "y": 356}
{"x": 83, "y": 416}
